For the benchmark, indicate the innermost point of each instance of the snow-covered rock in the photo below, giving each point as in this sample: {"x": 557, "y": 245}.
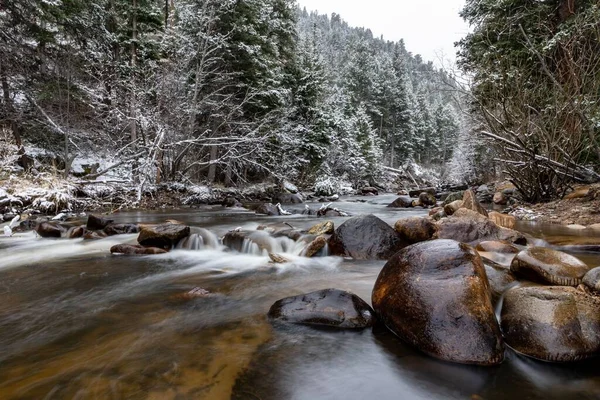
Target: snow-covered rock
{"x": 290, "y": 187}
{"x": 198, "y": 195}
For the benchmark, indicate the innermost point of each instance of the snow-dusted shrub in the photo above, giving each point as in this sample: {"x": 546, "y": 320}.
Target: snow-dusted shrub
{"x": 198, "y": 195}
{"x": 327, "y": 186}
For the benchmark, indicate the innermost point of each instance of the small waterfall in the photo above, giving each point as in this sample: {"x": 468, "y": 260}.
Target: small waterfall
{"x": 199, "y": 240}
{"x": 261, "y": 243}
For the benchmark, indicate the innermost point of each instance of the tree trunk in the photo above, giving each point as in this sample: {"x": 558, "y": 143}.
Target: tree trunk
{"x": 212, "y": 168}
{"x": 132, "y": 110}
{"x": 10, "y": 108}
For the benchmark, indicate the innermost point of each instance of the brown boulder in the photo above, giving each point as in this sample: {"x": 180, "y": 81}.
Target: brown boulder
{"x": 134, "y": 249}
{"x": 163, "y": 236}
{"x": 453, "y": 207}
{"x": 94, "y": 235}
{"x": 470, "y": 202}
{"x": 499, "y": 277}
{"x": 315, "y": 246}
{"x": 365, "y": 237}
{"x": 435, "y": 295}
{"x": 503, "y": 220}
{"x": 97, "y": 223}
{"x": 323, "y": 228}
{"x": 415, "y": 229}
{"x": 559, "y": 324}
{"x": 543, "y": 265}
{"x": 76, "y": 232}
{"x": 402, "y": 202}
{"x": 592, "y": 279}
{"x": 470, "y": 227}
{"x": 329, "y": 307}
{"x": 48, "y": 229}
{"x": 497, "y": 246}
{"x": 500, "y": 198}
{"x": 427, "y": 199}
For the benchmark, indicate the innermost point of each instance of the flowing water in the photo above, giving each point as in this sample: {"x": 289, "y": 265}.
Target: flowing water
{"x": 77, "y": 322}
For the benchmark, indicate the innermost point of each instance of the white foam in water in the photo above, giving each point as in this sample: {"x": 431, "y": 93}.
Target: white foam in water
{"x": 27, "y": 249}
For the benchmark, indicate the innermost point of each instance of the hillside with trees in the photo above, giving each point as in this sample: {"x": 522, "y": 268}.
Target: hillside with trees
{"x": 218, "y": 92}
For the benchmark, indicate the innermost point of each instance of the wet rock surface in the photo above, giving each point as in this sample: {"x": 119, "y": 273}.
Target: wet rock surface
{"x": 402, "y": 202}
{"x": 95, "y": 223}
{"x": 121, "y": 229}
{"x": 497, "y": 246}
{"x": 415, "y": 229}
{"x": 499, "y": 277}
{"x": 547, "y": 266}
{"x": 329, "y": 307}
{"x": 315, "y": 247}
{"x": 50, "y": 229}
{"x": 323, "y": 228}
{"x": 133, "y": 249}
{"x": 162, "y": 236}
{"x": 559, "y": 324}
{"x": 435, "y": 295}
{"x": 365, "y": 237}
{"x": 592, "y": 279}
{"x": 470, "y": 202}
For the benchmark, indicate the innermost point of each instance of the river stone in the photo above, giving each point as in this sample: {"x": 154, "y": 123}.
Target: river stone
{"x": 500, "y": 198}
{"x": 121, "y": 229}
{"x": 417, "y": 192}
{"x": 134, "y": 249}
{"x": 454, "y": 196}
{"x": 402, "y": 202}
{"x": 470, "y": 227}
{"x": 289, "y": 198}
{"x": 49, "y": 229}
{"x": 315, "y": 246}
{"x": 94, "y": 235}
{"x": 76, "y": 232}
{"x": 497, "y": 246}
{"x": 267, "y": 209}
{"x": 503, "y": 220}
{"x": 415, "y": 229}
{"x": 163, "y": 236}
{"x": 427, "y": 199}
{"x": 323, "y": 228}
{"x": 277, "y": 259}
{"x": 435, "y": 296}
{"x": 499, "y": 277}
{"x": 451, "y": 208}
{"x": 559, "y": 324}
{"x": 328, "y": 307}
{"x": 592, "y": 279}
{"x": 97, "y": 223}
{"x": 365, "y": 237}
{"x": 470, "y": 202}
{"x": 543, "y": 265}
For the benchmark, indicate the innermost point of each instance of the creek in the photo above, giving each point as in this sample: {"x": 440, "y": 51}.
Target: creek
{"x": 78, "y": 322}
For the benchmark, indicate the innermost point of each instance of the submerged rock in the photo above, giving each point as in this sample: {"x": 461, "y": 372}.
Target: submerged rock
{"x": 543, "y": 265}
{"x": 415, "y": 229}
{"x": 97, "y": 223}
{"x": 163, "y": 236}
{"x": 267, "y": 209}
{"x": 134, "y": 249}
{"x": 559, "y": 324}
{"x": 329, "y": 307}
{"x": 365, "y": 237}
{"x": 50, "y": 229}
{"x": 402, "y": 202}
{"x": 435, "y": 295}
{"x": 121, "y": 229}
{"x": 289, "y": 198}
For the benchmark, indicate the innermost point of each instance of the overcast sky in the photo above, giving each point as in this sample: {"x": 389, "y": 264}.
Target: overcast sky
{"x": 428, "y": 27}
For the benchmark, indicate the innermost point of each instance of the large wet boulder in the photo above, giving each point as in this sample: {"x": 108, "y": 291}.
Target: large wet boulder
{"x": 289, "y": 198}
{"x": 415, "y": 229}
{"x": 592, "y": 280}
{"x": 470, "y": 227}
{"x": 435, "y": 295}
{"x": 365, "y": 237}
{"x": 470, "y": 202}
{"x": 426, "y": 199}
{"x": 95, "y": 223}
{"x": 134, "y": 249}
{"x": 402, "y": 202}
{"x": 454, "y": 196}
{"x": 323, "y": 228}
{"x": 315, "y": 247}
{"x": 267, "y": 209}
{"x": 121, "y": 229}
{"x": 330, "y": 307}
{"x": 555, "y": 323}
{"x": 163, "y": 236}
{"x": 453, "y": 207}
{"x": 49, "y": 229}
{"x": 503, "y": 220}
{"x": 543, "y": 265}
